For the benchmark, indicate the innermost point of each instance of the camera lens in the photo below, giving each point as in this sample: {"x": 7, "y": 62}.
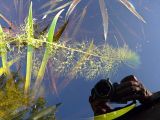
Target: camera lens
{"x": 103, "y": 88}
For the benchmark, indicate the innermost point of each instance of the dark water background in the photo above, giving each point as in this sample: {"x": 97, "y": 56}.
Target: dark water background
{"x": 140, "y": 37}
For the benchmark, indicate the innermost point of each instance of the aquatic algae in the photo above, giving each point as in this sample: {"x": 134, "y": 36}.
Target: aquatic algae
{"x": 65, "y": 56}
{"x": 3, "y": 52}
{"x": 12, "y": 98}
{"x": 128, "y": 57}
{"x": 10, "y": 63}
{"x": 82, "y": 60}
{"x": 98, "y": 61}
{"x": 69, "y": 59}
{"x": 15, "y": 105}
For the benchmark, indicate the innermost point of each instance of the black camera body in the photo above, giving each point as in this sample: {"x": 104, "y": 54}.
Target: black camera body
{"x": 105, "y": 90}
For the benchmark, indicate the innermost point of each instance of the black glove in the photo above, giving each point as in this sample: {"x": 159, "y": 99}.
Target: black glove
{"x": 131, "y": 89}
{"x": 128, "y": 90}
{"x": 99, "y": 106}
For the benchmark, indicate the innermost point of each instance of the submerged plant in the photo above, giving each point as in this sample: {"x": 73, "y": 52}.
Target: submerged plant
{"x": 11, "y": 96}
{"x": 48, "y": 50}
{"x": 3, "y": 52}
{"x": 90, "y": 61}
{"x": 68, "y": 59}
{"x": 15, "y": 105}
{"x": 30, "y": 49}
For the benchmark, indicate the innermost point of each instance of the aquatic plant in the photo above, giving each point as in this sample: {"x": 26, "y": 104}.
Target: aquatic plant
{"x": 11, "y": 96}
{"x": 131, "y": 8}
{"x": 47, "y": 53}
{"x": 3, "y": 53}
{"x": 15, "y": 105}
{"x": 104, "y": 13}
{"x": 89, "y": 61}
{"x": 69, "y": 59}
{"x": 30, "y": 49}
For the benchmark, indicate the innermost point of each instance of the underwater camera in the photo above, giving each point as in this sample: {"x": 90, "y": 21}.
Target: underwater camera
{"x": 105, "y": 90}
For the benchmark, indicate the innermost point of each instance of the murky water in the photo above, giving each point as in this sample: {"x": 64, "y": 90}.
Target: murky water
{"x": 95, "y": 40}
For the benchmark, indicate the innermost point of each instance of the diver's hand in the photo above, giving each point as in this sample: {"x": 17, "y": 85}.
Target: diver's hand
{"x": 99, "y": 106}
{"x": 131, "y": 89}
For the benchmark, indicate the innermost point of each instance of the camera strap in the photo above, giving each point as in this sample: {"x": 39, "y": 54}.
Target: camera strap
{"x": 117, "y": 113}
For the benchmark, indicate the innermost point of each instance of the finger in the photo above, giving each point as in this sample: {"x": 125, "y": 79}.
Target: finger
{"x": 131, "y": 97}
{"x": 128, "y": 90}
{"x": 127, "y": 84}
{"x": 129, "y": 78}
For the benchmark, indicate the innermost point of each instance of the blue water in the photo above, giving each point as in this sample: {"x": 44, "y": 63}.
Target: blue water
{"x": 142, "y": 38}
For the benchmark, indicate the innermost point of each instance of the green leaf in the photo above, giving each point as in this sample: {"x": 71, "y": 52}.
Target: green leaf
{"x": 45, "y": 112}
{"x": 104, "y": 13}
{"x": 30, "y": 22}
{"x": 1, "y": 30}
{"x": 71, "y": 8}
{"x": 52, "y": 27}
{"x": 41, "y": 71}
{"x": 30, "y": 49}
{"x": 132, "y": 9}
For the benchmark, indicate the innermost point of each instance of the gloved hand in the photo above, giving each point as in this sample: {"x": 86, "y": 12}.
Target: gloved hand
{"x": 99, "y": 106}
{"x": 131, "y": 89}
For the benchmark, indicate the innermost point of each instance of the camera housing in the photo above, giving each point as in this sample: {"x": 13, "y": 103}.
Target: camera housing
{"x": 105, "y": 90}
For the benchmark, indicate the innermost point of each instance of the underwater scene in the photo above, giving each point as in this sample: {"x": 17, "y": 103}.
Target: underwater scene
{"x": 53, "y": 54}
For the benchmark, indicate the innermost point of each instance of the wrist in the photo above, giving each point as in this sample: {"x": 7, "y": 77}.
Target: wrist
{"x": 147, "y": 97}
